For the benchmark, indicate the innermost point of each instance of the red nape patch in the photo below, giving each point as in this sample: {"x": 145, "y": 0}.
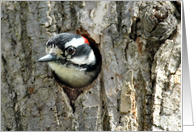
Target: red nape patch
{"x": 85, "y": 40}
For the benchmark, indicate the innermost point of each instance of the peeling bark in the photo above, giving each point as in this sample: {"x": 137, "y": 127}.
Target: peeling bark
{"x": 138, "y": 88}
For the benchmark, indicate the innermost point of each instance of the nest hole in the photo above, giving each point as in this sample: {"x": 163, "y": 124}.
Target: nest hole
{"x": 73, "y": 93}
{"x": 95, "y": 48}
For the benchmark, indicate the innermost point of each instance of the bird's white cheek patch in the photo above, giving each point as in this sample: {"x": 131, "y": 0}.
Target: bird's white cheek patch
{"x": 84, "y": 59}
{"x": 91, "y": 58}
{"x": 68, "y": 57}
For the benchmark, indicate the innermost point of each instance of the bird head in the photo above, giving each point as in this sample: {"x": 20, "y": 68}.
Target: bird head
{"x": 72, "y": 59}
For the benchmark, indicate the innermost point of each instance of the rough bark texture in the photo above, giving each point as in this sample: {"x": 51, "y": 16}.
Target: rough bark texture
{"x": 139, "y": 87}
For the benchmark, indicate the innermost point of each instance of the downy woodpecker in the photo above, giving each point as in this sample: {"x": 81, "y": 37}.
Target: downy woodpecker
{"x": 72, "y": 59}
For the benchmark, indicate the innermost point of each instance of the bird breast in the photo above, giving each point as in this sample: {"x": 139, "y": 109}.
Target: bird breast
{"x": 75, "y": 78}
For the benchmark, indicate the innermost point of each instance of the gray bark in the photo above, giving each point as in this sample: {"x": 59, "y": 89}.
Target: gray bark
{"x": 138, "y": 88}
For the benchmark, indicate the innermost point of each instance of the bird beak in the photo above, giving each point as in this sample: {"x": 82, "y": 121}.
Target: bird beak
{"x": 47, "y": 58}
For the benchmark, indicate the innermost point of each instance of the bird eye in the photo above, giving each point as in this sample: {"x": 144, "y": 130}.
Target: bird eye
{"x": 71, "y": 50}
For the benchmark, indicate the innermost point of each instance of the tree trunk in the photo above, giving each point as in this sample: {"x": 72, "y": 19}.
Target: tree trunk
{"x": 138, "y": 88}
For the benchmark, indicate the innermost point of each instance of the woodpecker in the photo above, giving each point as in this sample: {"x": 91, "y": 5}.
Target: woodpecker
{"x": 72, "y": 59}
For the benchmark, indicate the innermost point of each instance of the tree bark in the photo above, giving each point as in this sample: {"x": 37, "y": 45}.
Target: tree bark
{"x": 138, "y": 88}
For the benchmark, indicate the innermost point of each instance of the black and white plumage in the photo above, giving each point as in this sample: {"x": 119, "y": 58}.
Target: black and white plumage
{"x": 72, "y": 59}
